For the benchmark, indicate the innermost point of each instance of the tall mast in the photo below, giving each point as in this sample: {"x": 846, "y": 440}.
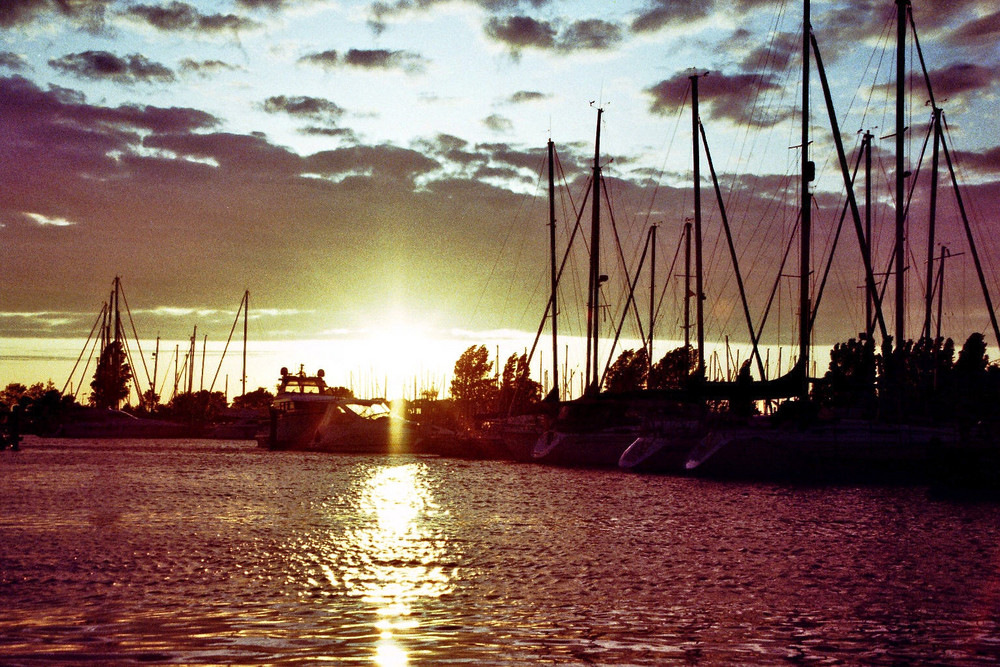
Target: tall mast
{"x": 698, "y": 277}
{"x": 594, "y": 295}
{"x": 687, "y": 290}
{"x": 246, "y": 314}
{"x": 807, "y": 176}
{"x": 552, "y": 267}
{"x": 900, "y": 210}
{"x": 935, "y": 162}
{"x": 866, "y": 146}
{"x": 652, "y": 298}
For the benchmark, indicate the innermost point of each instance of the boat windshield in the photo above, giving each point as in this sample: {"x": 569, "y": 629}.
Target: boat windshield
{"x": 368, "y": 411}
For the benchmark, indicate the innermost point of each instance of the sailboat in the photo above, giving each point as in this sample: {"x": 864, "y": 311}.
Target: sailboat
{"x": 807, "y": 447}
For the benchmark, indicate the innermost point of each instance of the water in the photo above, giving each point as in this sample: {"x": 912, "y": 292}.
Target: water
{"x": 207, "y": 552}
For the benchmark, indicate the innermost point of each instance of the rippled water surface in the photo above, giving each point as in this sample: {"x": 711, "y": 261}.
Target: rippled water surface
{"x": 208, "y": 552}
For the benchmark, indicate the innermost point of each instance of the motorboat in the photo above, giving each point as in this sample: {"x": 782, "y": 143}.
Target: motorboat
{"x": 306, "y": 414}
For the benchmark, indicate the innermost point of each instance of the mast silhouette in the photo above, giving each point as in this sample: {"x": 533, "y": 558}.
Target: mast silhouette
{"x": 595, "y": 280}
{"x": 808, "y": 172}
{"x": 554, "y": 280}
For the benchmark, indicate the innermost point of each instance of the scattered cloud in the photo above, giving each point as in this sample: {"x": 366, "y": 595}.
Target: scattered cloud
{"x": 308, "y": 107}
{"x": 518, "y": 33}
{"x": 206, "y": 67}
{"x": 370, "y": 59}
{"x": 521, "y": 32}
{"x": 11, "y": 61}
{"x": 182, "y": 17}
{"x": 525, "y": 96}
{"x": 88, "y": 14}
{"x": 983, "y": 30}
{"x": 497, "y": 123}
{"x": 661, "y": 14}
{"x": 727, "y": 96}
{"x": 49, "y": 221}
{"x": 104, "y": 65}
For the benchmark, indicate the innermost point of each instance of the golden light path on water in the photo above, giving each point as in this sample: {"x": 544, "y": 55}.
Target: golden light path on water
{"x": 393, "y": 556}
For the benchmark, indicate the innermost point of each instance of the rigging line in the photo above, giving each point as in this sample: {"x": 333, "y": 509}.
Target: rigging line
{"x": 732, "y": 252}
{"x": 976, "y": 214}
{"x": 670, "y": 146}
{"x": 136, "y": 334}
{"x": 833, "y": 249}
{"x": 228, "y": 340}
{"x": 128, "y": 358}
{"x": 777, "y": 281}
{"x": 621, "y": 323}
{"x": 670, "y": 273}
{"x": 100, "y": 317}
{"x": 621, "y": 257}
{"x": 83, "y": 376}
{"x": 503, "y": 246}
{"x": 972, "y": 242}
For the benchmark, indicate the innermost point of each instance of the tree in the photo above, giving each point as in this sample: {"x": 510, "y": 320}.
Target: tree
{"x": 629, "y": 371}
{"x": 517, "y": 390}
{"x": 258, "y": 399}
{"x": 675, "y": 369}
{"x": 471, "y": 387}
{"x": 199, "y": 406}
{"x": 12, "y": 393}
{"x": 850, "y": 378}
{"x": 112, "y": 377}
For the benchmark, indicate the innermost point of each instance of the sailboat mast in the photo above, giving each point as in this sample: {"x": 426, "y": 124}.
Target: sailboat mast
{"x": 806, "y": 225}
{"x": 246, "y": 315}
{"x": 552, "y": 267}
{"x": 698, "y": 277}
{"x": 900, "y": 210}
{"x": 594, "y": 295}
{"x": 866, "y": 146}
{"x": 687, "y": 292}
{"x": 935, "y": 163}
{"x": 652, "y": 298}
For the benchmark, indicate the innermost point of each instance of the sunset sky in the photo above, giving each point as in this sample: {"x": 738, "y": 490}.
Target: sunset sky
{"x": 363, "y": 167}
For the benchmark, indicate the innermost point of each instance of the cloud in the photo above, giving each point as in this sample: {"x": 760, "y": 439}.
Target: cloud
{"x": 497, "y": 123}
{"x": 525, "y": 96}
{"x": 206, "y": 67}
{"x": 180, "y": 16}
{"x": 381, "y": 12}
{"x": 104, "y": 65}
{"x": 985, "y": 162}
{"x": 983, "y": 30}
{"x": 49, "y": 221}
{"x": 11, "y": 61}
{"x": 520, "y": 32}
{"x": 669, "y": 13}
{"x": 371, "y": 59}
{"x": 726, "y": 96}
{"x": 590, "y": 35}
{"x": 309, "y": 107}
{"x": 89, "y": 14}
{"x": 962, "y": 79}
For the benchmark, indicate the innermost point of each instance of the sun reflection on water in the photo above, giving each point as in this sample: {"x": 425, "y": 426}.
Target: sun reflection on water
{"x": 396, "y": 554}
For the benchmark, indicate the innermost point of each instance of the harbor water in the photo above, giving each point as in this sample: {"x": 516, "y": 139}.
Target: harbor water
{"x": 209, "y": 552}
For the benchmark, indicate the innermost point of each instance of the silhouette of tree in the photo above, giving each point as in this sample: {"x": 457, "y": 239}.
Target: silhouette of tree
{"x": 629, "y": 371}
{"x": 675, "y": 369}
{"x": 518, "y": 391}
{"x": 258, "y": 399}
{"x": 197, "y": 407}
{"x": 849, "y": 381}
{"x": 471, "y": 387}
{"x": 112, "y": 377}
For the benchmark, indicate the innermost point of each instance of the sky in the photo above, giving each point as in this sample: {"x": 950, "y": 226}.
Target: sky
{"x": 375, "y": 170}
